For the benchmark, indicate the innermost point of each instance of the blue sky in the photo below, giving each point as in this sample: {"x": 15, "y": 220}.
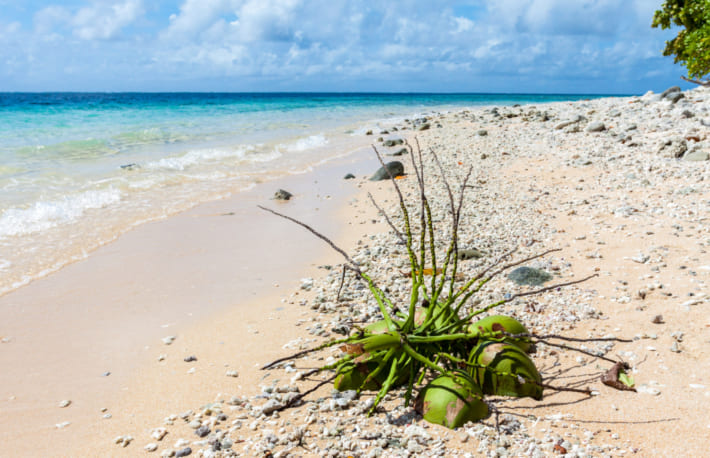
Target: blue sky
{"x": 561, "y": 46}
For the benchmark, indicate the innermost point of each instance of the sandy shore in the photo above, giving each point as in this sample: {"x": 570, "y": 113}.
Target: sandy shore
{"x": 619, "y": 198}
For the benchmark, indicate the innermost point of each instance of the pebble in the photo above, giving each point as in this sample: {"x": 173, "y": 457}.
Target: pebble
{"x": 169, "y": 340}
{"x": 62, "y": 425}
{"x": 65, "y": 403}
{"x": 151, "y": 447}
{"x": 183, "y": 452}
{"x": 123, "y": 441}
{"x": 232, "y": 373}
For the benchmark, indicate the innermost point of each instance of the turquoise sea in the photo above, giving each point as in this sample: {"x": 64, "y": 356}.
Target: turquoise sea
{"x": 79, "y": 169}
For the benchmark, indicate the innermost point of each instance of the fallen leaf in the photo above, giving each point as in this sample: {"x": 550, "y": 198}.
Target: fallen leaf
{"x": 613, "y": 378}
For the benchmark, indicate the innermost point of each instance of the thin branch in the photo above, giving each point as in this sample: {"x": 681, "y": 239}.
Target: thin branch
{"x": 397, "y": 232}
{"x": 319, "y": 235}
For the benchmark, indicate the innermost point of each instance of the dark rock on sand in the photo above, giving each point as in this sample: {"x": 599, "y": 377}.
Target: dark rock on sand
{"x": 401, "y": 152}
{"x": 282, "y": 195}
{"x": 369, "y": 132}
{"x": 396, "y": 142}
{"x": 425, "y": 126}
{"x": 675, "y": 96}
{"x": 482, "y": 132}
{"x": 529, "y": 276}
{"x": 131, "y": 166}
{"x": 669, "y": 91}
{"x": 349, "y": 176}
{"x": 202, "y": 431}
{"x": 183, "y": 452}
{"x": 394, "y": 168}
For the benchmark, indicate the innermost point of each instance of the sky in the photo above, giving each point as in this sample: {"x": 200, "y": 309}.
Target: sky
{"x": 509, "y": 46}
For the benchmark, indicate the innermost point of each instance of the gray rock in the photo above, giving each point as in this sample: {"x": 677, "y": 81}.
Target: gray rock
{"x": 675, "y": 96}
{"x": 569, "y": 122}
{"x": 271, "y": 406}
{"x": 687, "y": 114}
{"x": 369, "y": 132}
{"x": 669, "y": 91}
{"x": 401, "y": 152}
{"x": 425, "y": 126}
{"x": 183, "y": 452}
{"x": 349, "y": 176}
{"x": 697, "y": 156}
{"x": 529, "y": 276}
{"x": 673, "y": 147}
{"x": 595, "y": 126}
{"x": 395, "y": 142}
{"x": 202, "y": 431}
{"x": 482, "y": 132}
{"x": 282, "y": 194}
{"x": 394, "y": 168}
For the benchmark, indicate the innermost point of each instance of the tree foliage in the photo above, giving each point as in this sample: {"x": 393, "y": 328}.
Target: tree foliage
{"x": 691, "y": 47}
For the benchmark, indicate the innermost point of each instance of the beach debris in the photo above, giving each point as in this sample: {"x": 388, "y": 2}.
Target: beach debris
{"x": 159, "y": 433}
{"x": 673, "y": 147}
{"x": 183, "y": 452}
{"x": 595, "y": 126}
{"x": 617, "y": 378}
{"x": 65, "y": 403}
{"x": 529, "y": 276}
{"x": 169, "y": 340}
{"x": 470, "y": 253}
{"x": 123, "y": 441}
{"x": 393, "y": 169}
{"x": 282, "y": 194}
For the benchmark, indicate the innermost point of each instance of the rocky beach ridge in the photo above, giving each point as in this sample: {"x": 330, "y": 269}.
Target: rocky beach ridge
{"x": 617, "y": 184}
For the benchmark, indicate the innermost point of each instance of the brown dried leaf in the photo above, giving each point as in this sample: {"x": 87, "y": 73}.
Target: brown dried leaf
{"x": 611, "y": 378}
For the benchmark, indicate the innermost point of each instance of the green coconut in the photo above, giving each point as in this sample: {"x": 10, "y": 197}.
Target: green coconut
{"x": 353, "y": 377}
{"x": 504, "y": 369}
{"x": 451, "y": 401}
{"x": 492, "y": 326}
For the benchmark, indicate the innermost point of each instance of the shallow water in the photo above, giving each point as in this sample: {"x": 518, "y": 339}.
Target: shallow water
{"x": 77, "y": 170}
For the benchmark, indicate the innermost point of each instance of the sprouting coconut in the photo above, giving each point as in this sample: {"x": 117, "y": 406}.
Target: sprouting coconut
{"x": 504, "y": 369}
{"x": 492, "y": 327}
{"x": 451, "y": 401}
{"x": 353, "y": 377}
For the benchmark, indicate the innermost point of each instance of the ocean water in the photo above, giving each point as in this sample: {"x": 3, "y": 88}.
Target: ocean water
{"x": 79, "y": 169}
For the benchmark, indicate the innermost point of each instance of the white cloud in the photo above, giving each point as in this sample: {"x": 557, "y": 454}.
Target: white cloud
{"x": 102, "y": 21}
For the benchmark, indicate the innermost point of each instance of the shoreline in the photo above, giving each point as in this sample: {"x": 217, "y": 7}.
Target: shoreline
{"x": 596, "y": 195}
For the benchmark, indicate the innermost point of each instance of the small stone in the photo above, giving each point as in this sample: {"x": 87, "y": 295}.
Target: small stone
{"x": 62, "y": 425}
{"x": 159, "y": 433}
{"x": 675, "y": 348}
{"x": 482, "y": 133}
{"x": 282, "y": 194}
{"x": 658, "y": 319}
{"x": 270, "y": 407}
{"x": 595, "y": 126}
{"x": 151, "y": 447}
{"x": 645, "y": 389}
{"x": 232, "y": 373}
{"x": 167, "y": 453}
{"x": 169, "y": 340}
{"x": 65, "y": 403}
{"x": 349, "y": 176}
{"x": 471, "y": 253}
{"x": 183, "y": 452}
{"x": 194, "y": 424}
{"x": 190, "y": 359}
{"x": 107, "y": 416}
{"x": 202, "y": 431}
{"x": 123, "y": 441}
{"x": 641, "y": 258}
{"x": 162, "y": 357}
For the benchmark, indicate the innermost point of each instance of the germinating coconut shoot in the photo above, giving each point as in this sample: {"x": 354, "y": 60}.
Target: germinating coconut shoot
{"x": 436, "y": 348}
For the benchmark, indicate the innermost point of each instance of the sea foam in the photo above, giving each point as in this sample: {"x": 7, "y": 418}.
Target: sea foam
{"x": 43, "y": 215}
